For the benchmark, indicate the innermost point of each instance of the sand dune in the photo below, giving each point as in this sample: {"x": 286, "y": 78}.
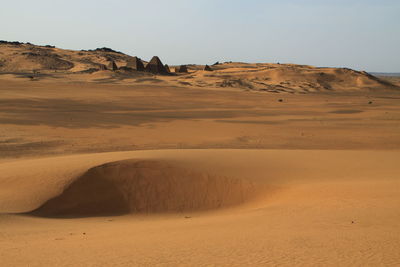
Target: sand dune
{"x": 77, "y": 185}
{"x": 325, "y": 208}
{"x": 289, "y": 78}
{"x": 178, "y": 179}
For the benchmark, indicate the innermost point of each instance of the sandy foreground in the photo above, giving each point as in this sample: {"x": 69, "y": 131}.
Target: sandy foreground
{"x": 98, "y": 174}
{"x": 317, "y": 208}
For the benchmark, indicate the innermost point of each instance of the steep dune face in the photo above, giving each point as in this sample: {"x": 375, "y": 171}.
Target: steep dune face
{"x": 146, "y": 186}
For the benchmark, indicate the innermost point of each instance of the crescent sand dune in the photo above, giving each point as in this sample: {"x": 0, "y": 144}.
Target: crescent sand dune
{"x": 315, "y": 207}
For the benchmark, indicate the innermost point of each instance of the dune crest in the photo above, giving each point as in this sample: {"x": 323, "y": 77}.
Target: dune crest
{"x": 146, "y": 186}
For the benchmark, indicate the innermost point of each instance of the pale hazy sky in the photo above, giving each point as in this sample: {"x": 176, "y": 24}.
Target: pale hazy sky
{"x": 360, "y": 34}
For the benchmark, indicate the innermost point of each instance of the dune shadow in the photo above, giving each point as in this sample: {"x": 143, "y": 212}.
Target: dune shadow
{"x": 90, "y": 195}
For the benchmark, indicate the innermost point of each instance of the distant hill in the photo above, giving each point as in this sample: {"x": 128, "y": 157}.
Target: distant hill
{"x": 23, "y": 57}
{"x": 38, "y": 62}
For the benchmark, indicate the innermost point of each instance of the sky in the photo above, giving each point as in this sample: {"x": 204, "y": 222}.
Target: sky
{"x": 358, "y": 34}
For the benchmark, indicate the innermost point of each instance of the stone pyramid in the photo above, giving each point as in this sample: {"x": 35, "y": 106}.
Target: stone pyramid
{"x": 112, "y": 65}
{"x": 136, "y": 64}
{"x": 182, "y": 69}
{"x": 207, "y": 68}
{"x": 156, "y": 66}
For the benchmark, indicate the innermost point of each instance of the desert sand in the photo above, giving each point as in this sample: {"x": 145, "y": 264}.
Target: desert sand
{"x": 245, "y": 165}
